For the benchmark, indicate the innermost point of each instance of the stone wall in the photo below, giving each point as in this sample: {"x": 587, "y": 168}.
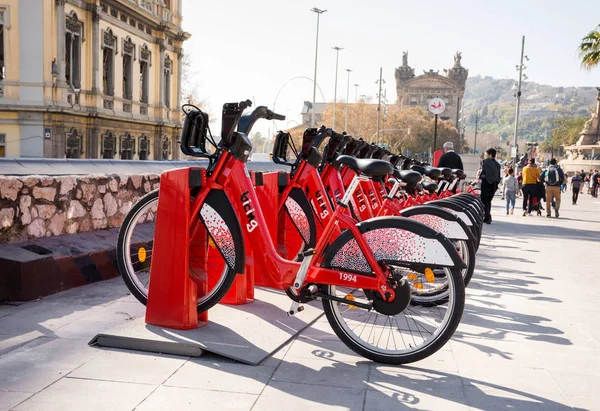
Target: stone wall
{"x": 41, "y": 206}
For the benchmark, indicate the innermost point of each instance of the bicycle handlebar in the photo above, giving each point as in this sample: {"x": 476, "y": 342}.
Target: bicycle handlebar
{"x": 247, "y": 121}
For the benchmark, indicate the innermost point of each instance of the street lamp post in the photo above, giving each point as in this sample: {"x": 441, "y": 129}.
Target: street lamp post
{"x": 356, "y": 92}
{"x": 520, "y": 67}
{"x": 312, "y": 114}
{"x": 347, "y": 99}
{"x": 476, "y": 124}
{"x": 380, "y": 82}
{"x": 337, "y": 57}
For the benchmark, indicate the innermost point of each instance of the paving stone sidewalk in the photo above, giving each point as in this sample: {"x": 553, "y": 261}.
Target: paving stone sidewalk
{"x": 529, "y": 340}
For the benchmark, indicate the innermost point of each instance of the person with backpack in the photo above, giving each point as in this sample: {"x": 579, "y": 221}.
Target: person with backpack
{"x": 576, "y": 183}
{"x": 490, "y": 178}
{"x": 553, "y": 176}
{"x": 509, "y": 191}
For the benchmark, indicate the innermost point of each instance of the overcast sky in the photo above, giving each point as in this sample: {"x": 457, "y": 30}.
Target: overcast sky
{"x": 250, "y": 49}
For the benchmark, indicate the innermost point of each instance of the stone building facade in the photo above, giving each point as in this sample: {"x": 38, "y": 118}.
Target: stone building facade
{"x": 90, "y": 78}
{"x": 417, "y": 91}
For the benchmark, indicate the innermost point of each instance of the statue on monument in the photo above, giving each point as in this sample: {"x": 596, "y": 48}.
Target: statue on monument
{"x": 589, "y": 134}
{"x": 457, "y": 58}
{"x": 405, "y": 58}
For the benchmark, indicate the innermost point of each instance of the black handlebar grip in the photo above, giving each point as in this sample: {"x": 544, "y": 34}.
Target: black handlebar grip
{"x": 276, "y": 116}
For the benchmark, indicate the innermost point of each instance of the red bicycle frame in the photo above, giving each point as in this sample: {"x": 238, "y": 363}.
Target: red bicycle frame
{"x": 231, "y": 176}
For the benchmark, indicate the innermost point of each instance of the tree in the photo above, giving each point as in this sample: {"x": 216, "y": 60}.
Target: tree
{"x": 190, "y": 93}
{"x": 409, "y": 130}
{"x": 565, "y": 133}
{"x": 589, "y": 49}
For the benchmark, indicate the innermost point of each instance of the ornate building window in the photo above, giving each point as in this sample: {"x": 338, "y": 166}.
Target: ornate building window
{"x": 108, "y": 145}
{"x": 73, "y": 51}
{"x": 145, "y": 56}
{"x": 147, "y": 4}
{"x": 109, "y": 49}
{"x": 414, "y": 100}
{"x": 127, "y": 147}
{"x": 165, "y": 148}
{"x": 74, "y": 144}
{"x": 2, "y": 145}
{"x": 128, "y": 55}
{"x": 144, "y": 147}
{"x": 167, "y": 74}
{"x": 2, "y": 55}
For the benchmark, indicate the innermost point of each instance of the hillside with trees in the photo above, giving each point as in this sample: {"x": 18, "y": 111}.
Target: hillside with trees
{"x": 545, "y": 110}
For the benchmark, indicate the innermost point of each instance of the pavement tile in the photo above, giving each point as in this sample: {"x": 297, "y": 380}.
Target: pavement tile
{"x": 221, "y": 376}
{"x": 119, "y": 310}
{"x": 581, "y": 361}
{"x": 6, "y": 309}
{"x": 85, "y": 329}
{"x": 131, "y": 367}
{"x": 9, "y": 399}
{"x": 486, "y": 398}
{"x": 72, "y": 394}
{"x": 43, "y": 317}
{"x": 302, "y": 397}
{"x": 46, "y": 350}
{"x": 275, "y": 359}
{"x": 416, "y": 380}
{"x": 386, "y": 400}
{"x": 521, "y": 379}
{"x": 9, "y": 342}
{"x": 186, "y": 399}
{"x": 505, "y": 353}
{"x": 324, "y": 372}
{"x": 26, "y": 376}
{"x": 577, "y": 384}
{"x": 331, "y": 349}
{"x": 583, "y": 403}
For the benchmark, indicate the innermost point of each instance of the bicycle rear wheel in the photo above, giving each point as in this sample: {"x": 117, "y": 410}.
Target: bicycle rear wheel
{"x": 212, "y": 257}
{"x": 415, "y": 332}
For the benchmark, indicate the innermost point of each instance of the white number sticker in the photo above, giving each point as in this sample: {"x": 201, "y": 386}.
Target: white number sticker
{"x": 348, "y": 277}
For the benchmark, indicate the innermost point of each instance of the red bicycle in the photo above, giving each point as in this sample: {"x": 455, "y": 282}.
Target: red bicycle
{"x": 361, "y": 272}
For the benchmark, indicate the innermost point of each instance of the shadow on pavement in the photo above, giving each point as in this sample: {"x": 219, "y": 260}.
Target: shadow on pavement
{"x": 386, "y": 386}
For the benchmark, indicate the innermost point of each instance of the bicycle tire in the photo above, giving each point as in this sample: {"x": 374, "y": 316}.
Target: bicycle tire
{"x": 140, "y": 294}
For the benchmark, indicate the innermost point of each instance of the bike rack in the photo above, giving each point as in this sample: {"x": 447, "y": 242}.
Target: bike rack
{"x": 173, "y": 293}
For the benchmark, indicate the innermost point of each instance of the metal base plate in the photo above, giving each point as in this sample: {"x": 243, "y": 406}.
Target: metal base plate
{"x": 247, "y": 333}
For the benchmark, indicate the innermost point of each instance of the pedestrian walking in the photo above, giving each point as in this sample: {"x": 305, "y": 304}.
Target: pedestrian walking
{"x": 490, "y": 178}
{"x": 594, "y": 183}
{"x": 450, "y": 159}
{"x": 531, "y": 176}
{"x": 576, "y": 184}
{"x": 582, "y": 181}
{"x": 553, "y": 176}
{"x": 509, "y": 191}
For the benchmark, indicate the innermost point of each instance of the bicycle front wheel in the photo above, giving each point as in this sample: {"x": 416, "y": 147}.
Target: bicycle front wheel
{"x": 210, "y": 263}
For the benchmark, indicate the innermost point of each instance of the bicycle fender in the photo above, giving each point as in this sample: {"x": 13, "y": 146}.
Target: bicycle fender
{"x": 221, "y": 222}
{"x": 441, "y": 220}
{"x": 397, "y": 239}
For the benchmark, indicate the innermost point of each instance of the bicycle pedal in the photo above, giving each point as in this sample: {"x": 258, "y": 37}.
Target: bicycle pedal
{"x": 295, "y": 308}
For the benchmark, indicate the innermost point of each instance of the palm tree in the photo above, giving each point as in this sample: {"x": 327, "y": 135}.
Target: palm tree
{"x": 589, "y": 49}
